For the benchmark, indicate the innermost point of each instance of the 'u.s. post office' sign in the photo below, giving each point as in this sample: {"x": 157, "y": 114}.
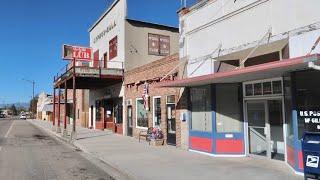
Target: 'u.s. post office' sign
{"x": 76, "y": 52}
{"x": 311, "y": 119}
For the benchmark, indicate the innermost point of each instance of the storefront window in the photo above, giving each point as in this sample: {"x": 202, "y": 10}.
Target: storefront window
{"x": 267, "y": 89}
{"x": 98, "y": 110}
{"x": 257, "y": 87}
{"x": 308, "y": 99}
{"x": 118, "y": 111}
{"x": 201, "y": 117}
{"x": 228, "y": 108}
{"x": 142, "y": 114}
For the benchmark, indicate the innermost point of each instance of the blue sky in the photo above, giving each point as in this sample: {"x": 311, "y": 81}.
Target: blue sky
{"x": 32, "y": 32}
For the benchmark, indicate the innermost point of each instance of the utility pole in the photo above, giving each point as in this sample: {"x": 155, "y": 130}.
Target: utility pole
{"x": 33, "y": 84}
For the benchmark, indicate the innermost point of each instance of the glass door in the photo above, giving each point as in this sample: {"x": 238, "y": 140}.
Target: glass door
{"x": 257, "y": 128}
{"x": 265, "y": 128}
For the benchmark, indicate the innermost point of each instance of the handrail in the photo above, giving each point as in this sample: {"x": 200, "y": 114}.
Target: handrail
{"x": 257, "y": 133}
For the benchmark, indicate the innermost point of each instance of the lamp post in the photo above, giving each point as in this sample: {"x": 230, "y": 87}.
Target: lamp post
{"x": 33, "y": 84}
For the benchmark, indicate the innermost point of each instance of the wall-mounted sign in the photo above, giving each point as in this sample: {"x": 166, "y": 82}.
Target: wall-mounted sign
{"x": 76, "y": 52}
{"x": 311, "y": 120}
{"x": 104, "y": 32}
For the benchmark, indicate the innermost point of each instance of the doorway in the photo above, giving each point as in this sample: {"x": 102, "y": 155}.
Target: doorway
{"x": 265, "y": 128}
{"x": 171, "y": 124}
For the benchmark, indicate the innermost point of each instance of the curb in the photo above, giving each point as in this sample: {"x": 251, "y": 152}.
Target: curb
{"x": 112, "y": 171}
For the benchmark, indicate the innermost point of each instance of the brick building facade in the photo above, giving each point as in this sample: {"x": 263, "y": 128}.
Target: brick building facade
{"x": 161, "y": 100}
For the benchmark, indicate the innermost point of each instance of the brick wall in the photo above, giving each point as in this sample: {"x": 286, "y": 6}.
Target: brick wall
{"x": 152, "y": 72}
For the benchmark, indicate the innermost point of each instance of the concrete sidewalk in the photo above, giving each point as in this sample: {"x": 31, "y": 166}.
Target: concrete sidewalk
{"x": 141, "y": 161}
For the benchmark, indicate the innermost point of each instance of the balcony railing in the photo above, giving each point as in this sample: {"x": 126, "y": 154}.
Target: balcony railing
{"x": 90, "y": 69}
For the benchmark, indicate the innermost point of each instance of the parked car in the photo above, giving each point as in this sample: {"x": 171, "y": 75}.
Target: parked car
{"x": 2, "y": 116}
{"x": 23, "y": 116}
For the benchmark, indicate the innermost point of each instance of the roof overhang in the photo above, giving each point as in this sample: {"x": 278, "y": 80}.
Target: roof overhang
{"x": 261, "y": 71}
{"x": 89, "y": 78}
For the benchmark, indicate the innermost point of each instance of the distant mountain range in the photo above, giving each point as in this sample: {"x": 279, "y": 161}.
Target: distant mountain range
{"x": 18, "y": 105}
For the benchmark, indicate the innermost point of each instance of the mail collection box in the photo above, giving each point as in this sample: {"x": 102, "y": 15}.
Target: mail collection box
{"x": 311, "y": 155}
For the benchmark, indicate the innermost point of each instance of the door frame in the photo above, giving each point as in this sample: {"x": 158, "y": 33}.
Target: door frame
{"x": 284, "y": 124}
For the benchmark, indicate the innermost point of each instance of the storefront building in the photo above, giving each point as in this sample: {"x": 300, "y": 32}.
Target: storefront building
{"x": 122, "y": 44}
{"x": 159, "y": 109}
{"x": 251, "y": 77}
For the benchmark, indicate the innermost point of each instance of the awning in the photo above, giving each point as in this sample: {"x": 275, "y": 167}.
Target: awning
{"x": 261, "y": 71}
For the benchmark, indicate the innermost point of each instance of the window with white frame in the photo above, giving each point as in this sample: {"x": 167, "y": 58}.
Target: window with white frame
{"x": 141, "y": 115}
{"x": 267, "y": 87}
{"x": 156, "y": 111}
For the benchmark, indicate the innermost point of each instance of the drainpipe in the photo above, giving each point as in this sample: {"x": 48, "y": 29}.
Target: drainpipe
{"x": 312, "y": 65}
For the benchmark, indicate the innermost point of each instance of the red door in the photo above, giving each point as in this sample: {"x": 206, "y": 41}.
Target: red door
{"x": 96, "y": 59}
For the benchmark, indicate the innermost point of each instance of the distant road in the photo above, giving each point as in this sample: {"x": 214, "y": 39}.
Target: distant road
{"x": 30, "y": 154}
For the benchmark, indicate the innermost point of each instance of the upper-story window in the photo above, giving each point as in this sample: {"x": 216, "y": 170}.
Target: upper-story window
{"x": 158, "y": 45}
{"x": 113, "y": 48}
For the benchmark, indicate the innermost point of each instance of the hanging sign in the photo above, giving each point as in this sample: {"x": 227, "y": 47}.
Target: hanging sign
{"x": 76, "y": 52}
{"x": 311, "y": 119}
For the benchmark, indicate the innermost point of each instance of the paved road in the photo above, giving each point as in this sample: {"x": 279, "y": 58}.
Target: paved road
{"x": 27, "y": 153}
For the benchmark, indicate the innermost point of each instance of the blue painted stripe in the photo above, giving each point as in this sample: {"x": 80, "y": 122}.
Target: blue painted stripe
{"x": 200, "y": 134}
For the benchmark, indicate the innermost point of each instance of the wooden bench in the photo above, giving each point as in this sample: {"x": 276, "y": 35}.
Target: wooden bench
{"x": 145, "y": 134}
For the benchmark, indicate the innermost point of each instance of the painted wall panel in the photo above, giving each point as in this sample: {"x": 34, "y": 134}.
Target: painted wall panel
{"x": 229, "y": 146}
{"x": 201, "y": 144}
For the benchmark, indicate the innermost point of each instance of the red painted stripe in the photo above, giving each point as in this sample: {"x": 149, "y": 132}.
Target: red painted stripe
{"x": 290, "y": 156}
{"x": 201, "y": 144}
{"x": 300, "y": 158}
{"x": 229, "y": 146}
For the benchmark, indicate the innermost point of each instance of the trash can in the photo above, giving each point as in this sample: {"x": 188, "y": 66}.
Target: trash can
{"x": 311, "y": 155}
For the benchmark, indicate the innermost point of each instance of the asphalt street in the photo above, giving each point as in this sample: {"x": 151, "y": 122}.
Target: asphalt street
{"x": 27, "y": 153}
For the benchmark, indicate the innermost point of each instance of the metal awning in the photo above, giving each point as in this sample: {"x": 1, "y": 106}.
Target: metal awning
{"x": 261, "y": 71}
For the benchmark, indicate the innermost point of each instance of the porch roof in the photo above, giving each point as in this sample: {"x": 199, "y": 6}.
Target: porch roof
{"x": 261, "y": 71}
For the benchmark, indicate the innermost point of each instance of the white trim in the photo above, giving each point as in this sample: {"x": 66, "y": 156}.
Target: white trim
{"x": 262, "y": 81}
{"x": 217, "y": 155}
{"x": 138, "y": 127}
{"x": 153, "y": 110}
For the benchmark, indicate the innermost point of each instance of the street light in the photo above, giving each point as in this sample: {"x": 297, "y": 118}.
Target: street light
{"x": 33, "y": 84}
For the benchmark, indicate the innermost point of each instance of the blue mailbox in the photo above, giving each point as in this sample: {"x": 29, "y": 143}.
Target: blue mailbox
{"x": 311, "y": 155}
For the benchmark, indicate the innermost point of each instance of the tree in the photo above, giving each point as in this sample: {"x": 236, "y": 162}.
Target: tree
{"x": 14, "y": 110}
{"x": 33, "y": 105}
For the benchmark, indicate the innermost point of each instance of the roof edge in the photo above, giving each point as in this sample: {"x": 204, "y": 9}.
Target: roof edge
{"x": 103, "y": 15}
{"x": 152, "y": 23}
